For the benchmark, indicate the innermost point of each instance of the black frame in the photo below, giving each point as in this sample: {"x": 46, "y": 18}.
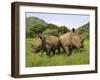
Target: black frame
{"x": 15, "y": 38}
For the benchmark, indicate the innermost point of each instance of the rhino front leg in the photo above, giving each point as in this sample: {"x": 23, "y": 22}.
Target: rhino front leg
{"x": 49, "y": 53}
{"x": 66, "y": 50}
{"x": 58, "y": 50}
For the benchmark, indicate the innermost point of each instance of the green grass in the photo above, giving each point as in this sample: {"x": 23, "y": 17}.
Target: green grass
{"x": 36, "y": 59}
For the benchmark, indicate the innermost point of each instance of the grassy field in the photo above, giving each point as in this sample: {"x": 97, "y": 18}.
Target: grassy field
{"x": 35, "y": 59}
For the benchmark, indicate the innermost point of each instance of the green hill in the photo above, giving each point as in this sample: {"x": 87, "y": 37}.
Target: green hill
{"x": 85, "y": 29}
{"x": 34, "y": 24}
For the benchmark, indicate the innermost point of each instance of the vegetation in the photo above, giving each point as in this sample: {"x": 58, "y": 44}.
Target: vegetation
{"x": 37, "y": 59}
{"x": 35, "y": 25}
{"x": 85, "y": 30}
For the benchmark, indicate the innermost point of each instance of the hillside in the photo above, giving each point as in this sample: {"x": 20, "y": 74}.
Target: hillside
{"x": 34, "y": 25}
{"x": 33, "y": 21}
{"x": 85, "y": 29}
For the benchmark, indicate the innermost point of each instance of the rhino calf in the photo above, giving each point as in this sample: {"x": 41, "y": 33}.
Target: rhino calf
{"x": 71, "y": 39}
{"x": 37, "y": 46}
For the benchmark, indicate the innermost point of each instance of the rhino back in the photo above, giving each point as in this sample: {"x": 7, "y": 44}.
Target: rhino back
{"x": 65, "y": 39}
{"x": 52, "y": 40}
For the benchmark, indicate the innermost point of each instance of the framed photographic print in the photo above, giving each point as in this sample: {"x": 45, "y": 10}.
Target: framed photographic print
{"x": 53, "y": 39}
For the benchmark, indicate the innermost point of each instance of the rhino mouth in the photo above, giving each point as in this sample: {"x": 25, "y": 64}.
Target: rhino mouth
{"x": 74, "y": 47}
{"x": 82, "y": 46}
{"x": 35, "y": 51}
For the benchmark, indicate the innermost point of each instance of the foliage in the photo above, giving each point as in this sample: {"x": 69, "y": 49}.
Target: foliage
{"x": 62, "y": 30}
{"x": 37, "y": 59}
{"x": 52, "y": 26}
{"x": 85, "y": 29}
{"x": 35, "y": 25}
{"x": 51, "y": 32}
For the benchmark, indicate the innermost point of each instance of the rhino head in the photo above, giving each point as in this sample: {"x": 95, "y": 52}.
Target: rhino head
{"x": 77, "y": 38}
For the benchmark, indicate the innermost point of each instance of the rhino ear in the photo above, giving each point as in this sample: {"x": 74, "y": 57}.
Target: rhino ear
{"x": 73, "y": 29}
{"x": 42, "y": 36}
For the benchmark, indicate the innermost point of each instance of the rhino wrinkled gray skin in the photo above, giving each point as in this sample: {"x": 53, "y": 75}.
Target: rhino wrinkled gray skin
{"x": 71, "y": 39}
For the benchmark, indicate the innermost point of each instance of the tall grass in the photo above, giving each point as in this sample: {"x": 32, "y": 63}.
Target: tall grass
{"x": 79, "y": 57}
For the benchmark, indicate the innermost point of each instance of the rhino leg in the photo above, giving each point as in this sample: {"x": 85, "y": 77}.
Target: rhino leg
{"x": 59, "y": 50}
{"x": 51, "y": 51}
{"x": 66, "y": 50}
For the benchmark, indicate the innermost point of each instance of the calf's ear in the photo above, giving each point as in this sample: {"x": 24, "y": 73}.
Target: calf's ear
{"x": 42, "y": 37}
{"x": 73, "y": 29}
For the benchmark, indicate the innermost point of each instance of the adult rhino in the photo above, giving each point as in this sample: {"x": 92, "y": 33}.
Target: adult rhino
{"x": 70, "y": 40}
{"x": 50, "y": 44}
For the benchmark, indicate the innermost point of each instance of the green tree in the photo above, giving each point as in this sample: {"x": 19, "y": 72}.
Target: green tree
{"x": 51, "y": 32}
{"x": 38, "y": 28}
{"x": 62, "y": 30}
{"x": 52, "y": 26}
{"x": 34, "y": 25}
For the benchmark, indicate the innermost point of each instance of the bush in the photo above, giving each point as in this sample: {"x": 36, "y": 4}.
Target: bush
{"x": 51, "y": 32}
{"x": 38, "y": 28}
{"x": 52, "y": 26}
{"x": 62, "y": 30}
